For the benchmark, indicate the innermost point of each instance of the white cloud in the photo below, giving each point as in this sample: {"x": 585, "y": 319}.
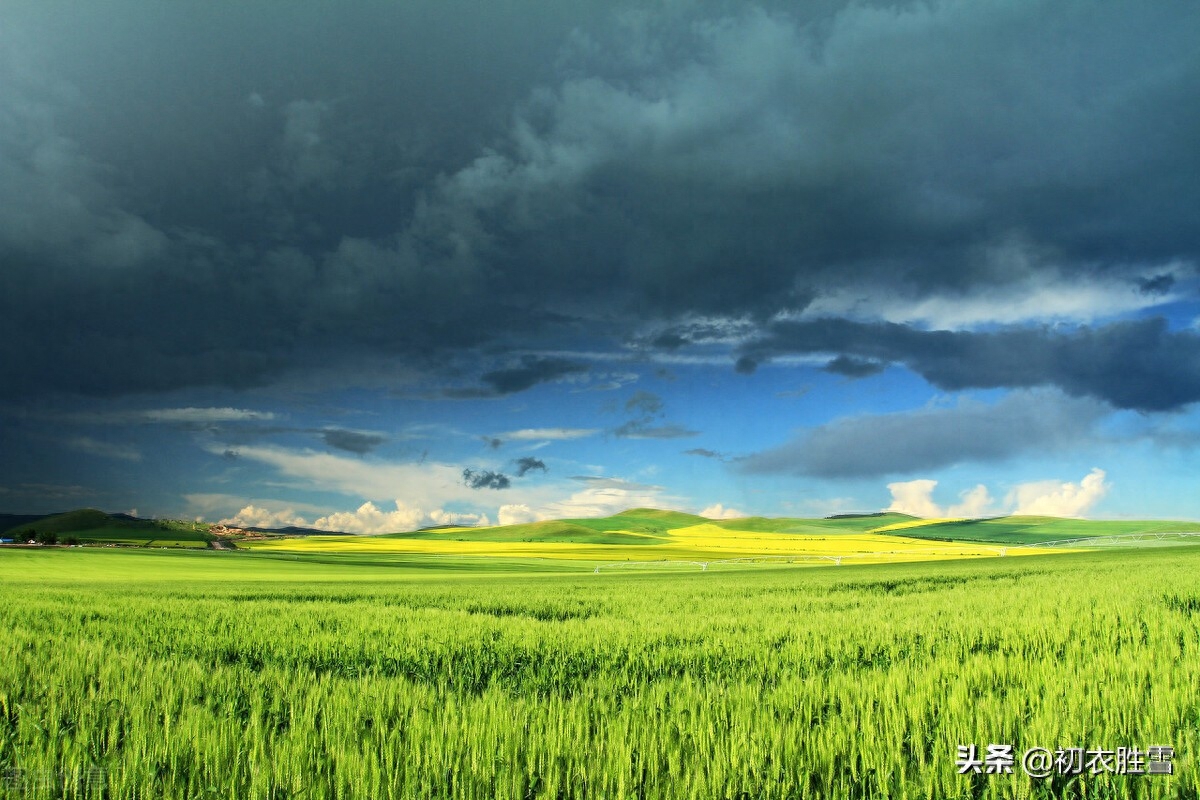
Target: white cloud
{"x": 606, "y": 496}
{"x": 199, "y": 415}
{"x": 1038, "y": 498}
{"x": 517, "y": 514}
{"x": 914, "y": 497}
{"x": 534, "y": 434}
{"x": 1045, "y": 299}
{"x": 366, "y": 519}
{"x": 1059, "y": 499}
{"x": 369, "y": 519}
{"x": 436, "y": 484}
{"x": 441, "y": 517}
{"x": 718, "y": 511}
{"x": 215, "y": 505}
{"x": 253, "y": 516}
{"x": 975, "y": 503}
{"x": 176, "y": 416}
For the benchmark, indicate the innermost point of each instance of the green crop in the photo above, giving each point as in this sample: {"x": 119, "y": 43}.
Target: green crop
{"x": 231, "y": 675}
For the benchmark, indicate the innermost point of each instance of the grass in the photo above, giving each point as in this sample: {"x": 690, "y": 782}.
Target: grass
{"x": 856, "y": 524}
{"x": 89, "y": 526}
{"x": 650, "y": 536}
{"x": 551, "y": 531}
{"x": 1017, "y": 530}
{"x": 269, "y": 675}
{"x": 643, "y": 535}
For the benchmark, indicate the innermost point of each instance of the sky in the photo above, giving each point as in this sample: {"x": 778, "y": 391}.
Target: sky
{"x": 394, "y": 265}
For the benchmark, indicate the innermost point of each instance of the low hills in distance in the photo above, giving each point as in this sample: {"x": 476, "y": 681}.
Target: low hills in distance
{"x": 89, "y": 526}
{"x": 635, "y": 534}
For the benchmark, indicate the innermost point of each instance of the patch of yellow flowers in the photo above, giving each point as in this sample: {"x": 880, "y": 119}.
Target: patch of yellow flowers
{"x": 703, "y": 542}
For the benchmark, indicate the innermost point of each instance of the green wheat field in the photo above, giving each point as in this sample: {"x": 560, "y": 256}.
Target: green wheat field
{"x": 269, "y": 673}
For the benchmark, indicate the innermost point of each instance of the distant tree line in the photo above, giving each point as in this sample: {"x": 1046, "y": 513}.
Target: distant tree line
{"x": 50, "y": 537}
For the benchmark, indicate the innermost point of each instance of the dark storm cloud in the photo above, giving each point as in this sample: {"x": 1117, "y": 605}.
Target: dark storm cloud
{"x": 709, "y": 331}
{"x": 186, "y": 201}
{"x": 854, "y": 367}
{"x": 527, "y": 463}
{"x": 352, "y": 441}
{"x": 485, "y": 479}
{"x": 231, "y": 424}
{"x": 1140, "y": 365}
{"x": 528, "y": 372}
{"x": 1157, "y": 284}
{"x": 532, "y": 371}
{"x": 669, "y": 340}
{"x": 745, "y": 365}
{"x": 915, "y": 441}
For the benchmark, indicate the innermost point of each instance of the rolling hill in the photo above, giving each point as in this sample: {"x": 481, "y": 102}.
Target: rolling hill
{"x": 10, "y": 521}
{"x": 653, "y": 536}
{"x": 1018, "y": 530}
{"x": 90, "y": 526}
{"x": 637, "y": 535}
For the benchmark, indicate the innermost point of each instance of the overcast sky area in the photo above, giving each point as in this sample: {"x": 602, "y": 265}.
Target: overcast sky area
{"x": 416, "y": 263}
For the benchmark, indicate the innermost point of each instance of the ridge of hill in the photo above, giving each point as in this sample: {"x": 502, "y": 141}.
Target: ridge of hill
{"x": 834, "y": 524}
{"x": 91, "y": 526}
{"x": 578, "y": 531}
{"x": 635, "y": 526}
{"x": 1024, "y": 529}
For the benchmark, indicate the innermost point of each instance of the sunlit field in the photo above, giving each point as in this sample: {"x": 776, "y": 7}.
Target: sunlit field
{"x": 263, "y": 674}
{"x": 644, "y": 535}
{"x": 694, "y": 543}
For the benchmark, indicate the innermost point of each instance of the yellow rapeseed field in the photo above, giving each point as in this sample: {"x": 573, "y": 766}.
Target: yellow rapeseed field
{"x": 704, "y": 542}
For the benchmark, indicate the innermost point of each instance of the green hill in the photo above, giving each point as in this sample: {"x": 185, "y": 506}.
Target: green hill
{"x": 850, "y": 523}
{"x": 89, "y": 526}
{"x": 71, "y": 522}
{"x": 649, "y": 526}
{"x": 642, "y": 520}
{"x": 1035, "y": 530}
{"x": 10, "y": 521}
{"x": 549, "y": 531}
{"x": 673, "y": 519}
{"x": 637, "y": 526}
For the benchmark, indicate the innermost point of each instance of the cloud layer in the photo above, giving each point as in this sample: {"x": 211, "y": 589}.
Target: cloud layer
{"x": 913, "y": 441}
{"x": 1140, "y": 364}
{"x": 608, "y": 167}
